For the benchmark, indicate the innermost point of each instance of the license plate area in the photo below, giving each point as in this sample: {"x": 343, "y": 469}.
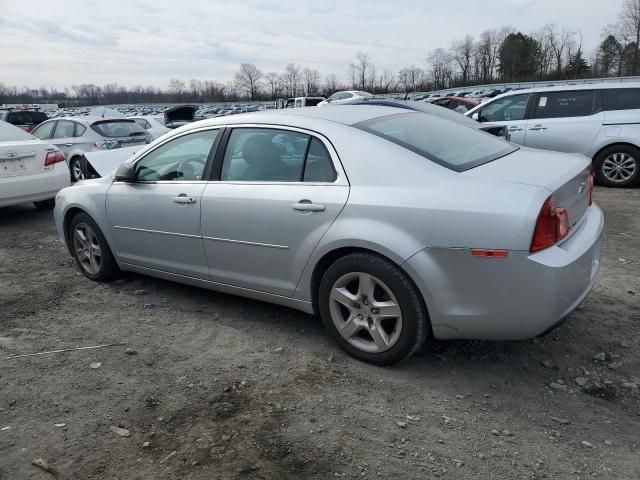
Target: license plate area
{"x": 10, "y": 167}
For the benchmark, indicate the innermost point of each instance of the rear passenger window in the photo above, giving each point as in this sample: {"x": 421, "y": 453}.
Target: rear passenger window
{"x": 274, "y": 155}
{"x": 621, "y": 99}
{"x": 64, "y": 129}
{"x": 577, "y": 103}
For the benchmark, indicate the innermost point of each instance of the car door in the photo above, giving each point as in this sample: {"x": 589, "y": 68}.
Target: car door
{"x": 63, "y": 136}
{"x": 155, "y": 220}
{"x": 278, "y": 191}
{"x": 509, "y": 111}
{"x": 565, "y": 121}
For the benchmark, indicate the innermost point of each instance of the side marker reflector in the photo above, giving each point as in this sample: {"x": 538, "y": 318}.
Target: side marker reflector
{"x": 489, "y": 253}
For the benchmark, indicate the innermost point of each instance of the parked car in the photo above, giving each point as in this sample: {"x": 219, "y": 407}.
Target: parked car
{"x": 457, "y": 104}
{"x": 31, "y": 170}
{"x": 429, "y": 108}
{"x": 346, "y": 96}
{"x": 391, "y": 225}
{"x": 299, "y": 102}
{"x": 154, "y": 127}
{"x": 76, "y": 135}
{"x": 178, "y": 116}
{"x": 601, "y": 121}
{"x": 27, "y": 120}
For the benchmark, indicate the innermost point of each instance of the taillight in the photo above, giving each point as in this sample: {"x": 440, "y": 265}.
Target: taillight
{"x": 53, "y": 156}
{"x": 592, "y": 184}
{"x": 29, "y": 129}
{"x": 552, "y": 226}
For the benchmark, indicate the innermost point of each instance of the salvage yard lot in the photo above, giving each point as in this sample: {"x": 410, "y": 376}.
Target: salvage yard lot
{"x": 242, "y": 389}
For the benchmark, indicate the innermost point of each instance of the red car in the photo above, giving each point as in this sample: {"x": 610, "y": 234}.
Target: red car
{"x": 459, "y": 104}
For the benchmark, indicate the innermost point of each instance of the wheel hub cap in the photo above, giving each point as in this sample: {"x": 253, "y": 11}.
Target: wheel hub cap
{"x": 87, "y": 248}
{"x": 366, "y": 312}
{"x": 619, "y": 167}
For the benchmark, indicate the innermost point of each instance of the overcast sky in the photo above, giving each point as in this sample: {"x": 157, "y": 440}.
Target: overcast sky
{"x": 146, "y": 42}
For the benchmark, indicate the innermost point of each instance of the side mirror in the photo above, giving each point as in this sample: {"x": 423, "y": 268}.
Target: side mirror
{"x": 476, "y": 116}
{"x": 125, "y": 173}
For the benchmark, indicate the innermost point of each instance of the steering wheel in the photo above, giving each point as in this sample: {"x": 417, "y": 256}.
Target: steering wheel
{"x": 191, "y": 168}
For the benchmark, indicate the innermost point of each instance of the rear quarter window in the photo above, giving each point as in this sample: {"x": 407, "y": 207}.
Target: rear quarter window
{"x": 621, "y": 99}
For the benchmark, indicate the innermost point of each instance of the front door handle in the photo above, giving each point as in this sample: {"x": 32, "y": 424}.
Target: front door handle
{"x": 307, "y": 206}
{"x": 184, "y": 199}
{"x": 538, "y": 127}
{"x": 515, "y": 129}
{"x": 68, "y": 144}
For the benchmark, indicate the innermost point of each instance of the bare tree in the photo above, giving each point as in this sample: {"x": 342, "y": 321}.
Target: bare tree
{"x": 272, "y": 79}
{"x": 629, "y": 19}
{"x": 462, "y": 52}
{"x": 385, "y": 81}
{"x": 248, "y": 79}
{"x": 311, "y": 81}
{"x": 331, "y": 84}
{"x": 362, "y": 67}
{"x": 292, "y": 77}
{"x": 560, "y": 42}
{"x": 441, "y": 72}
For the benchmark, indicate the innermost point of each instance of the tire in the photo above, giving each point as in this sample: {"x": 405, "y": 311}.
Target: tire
{"x": 97, "y": 264}
{"x": 618, "y": 166}
{"x": 75, "y": 169}
{"x": 47, "y": 204}
{"x": 364, "y": 331}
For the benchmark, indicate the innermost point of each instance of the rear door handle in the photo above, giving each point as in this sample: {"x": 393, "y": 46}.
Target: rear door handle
{"x": 538, "y": 127}
{"x": 184, "y": 199}
{"x": 68, "y": 144}
{"x": 307, "y": 206}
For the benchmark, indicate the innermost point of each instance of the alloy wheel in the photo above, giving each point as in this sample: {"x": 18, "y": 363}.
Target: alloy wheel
{"x": 619, "y": 167}
{"x": 87, "y": 248}
{"x": 76, "y": 172}
{"x": 365, "y": 312}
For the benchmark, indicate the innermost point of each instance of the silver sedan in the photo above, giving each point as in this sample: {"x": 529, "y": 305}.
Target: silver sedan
{"x": 391, "y": 225}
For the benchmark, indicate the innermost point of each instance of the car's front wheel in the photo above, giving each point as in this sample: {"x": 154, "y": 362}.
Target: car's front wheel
{"x": 372, "y": 309}
{"x": 618, "y": 166}
{"x": 90, "y": 249}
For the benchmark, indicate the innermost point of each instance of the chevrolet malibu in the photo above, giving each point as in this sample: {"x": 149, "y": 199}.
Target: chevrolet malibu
{"x": 391, "y": 225}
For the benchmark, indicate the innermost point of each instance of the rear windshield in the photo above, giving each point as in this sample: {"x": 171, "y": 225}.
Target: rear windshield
{"x": 118, "y": 128}
{"x": 26, "y": 118}
{"x": 451, "y": 145}
{"x": 9, "y": 133}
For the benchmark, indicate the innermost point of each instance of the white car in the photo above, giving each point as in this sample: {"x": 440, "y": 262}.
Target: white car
{"x": 345, "y": 96}
{"x": 601, "y": 121}
{"x": 152, "y": 125}
{"x": 31, "y": 170}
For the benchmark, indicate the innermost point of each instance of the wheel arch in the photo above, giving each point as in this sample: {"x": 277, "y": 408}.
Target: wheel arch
{"x": 332, "y": 256}
{"x": 66, "y": 222}
{"x": 614, "y": 144}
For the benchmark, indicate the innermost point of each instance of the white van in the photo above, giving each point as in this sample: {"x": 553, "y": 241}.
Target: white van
{"x": 601, "y": 121}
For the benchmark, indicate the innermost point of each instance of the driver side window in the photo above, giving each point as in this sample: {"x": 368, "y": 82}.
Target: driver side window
{"x": 511, "y": 108}
{"x": 181, "y": 159}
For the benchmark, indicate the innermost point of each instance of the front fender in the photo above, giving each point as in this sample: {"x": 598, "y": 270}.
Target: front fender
{"x": 88, "y": 196}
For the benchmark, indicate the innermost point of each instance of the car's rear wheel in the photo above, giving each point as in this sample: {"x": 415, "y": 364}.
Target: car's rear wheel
{"x": 371, "y": 308}
{"x": 47, "y": 204}
{"x": 75, "y": 167}
{"x": 90, "y": 249}
{"x": 618, "y": 166}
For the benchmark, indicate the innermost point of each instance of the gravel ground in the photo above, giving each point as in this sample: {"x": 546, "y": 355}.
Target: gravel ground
{"x": 213, "y": 386}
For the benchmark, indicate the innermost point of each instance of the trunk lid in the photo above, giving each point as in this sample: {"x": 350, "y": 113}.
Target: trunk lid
{"x": 22, "y": 158}
{"x": 563, "y": 174}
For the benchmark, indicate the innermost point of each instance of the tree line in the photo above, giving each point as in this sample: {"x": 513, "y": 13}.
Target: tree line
{"x": 498, "y": 55}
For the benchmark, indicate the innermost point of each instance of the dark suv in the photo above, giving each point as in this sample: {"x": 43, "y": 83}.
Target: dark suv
{"x": 25, "y": 119}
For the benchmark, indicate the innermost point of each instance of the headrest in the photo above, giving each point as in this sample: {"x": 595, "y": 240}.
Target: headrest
{"x": 259, "y": 150}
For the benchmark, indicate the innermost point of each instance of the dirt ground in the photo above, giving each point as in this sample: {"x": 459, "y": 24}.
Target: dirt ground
{"x": 226, "y": 388}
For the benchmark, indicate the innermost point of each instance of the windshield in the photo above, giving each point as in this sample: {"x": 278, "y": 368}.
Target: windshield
{"x": 444, "y": 142}
{"x": 9, "y": 133}
{"x": 364, "y": 94}
{"x": 118, "y": 128}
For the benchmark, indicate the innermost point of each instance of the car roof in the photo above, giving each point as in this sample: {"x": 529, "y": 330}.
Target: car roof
{"x": 89, "y": 119}
{"x": 342, "y": 114}
{"x": 584, "y": 86}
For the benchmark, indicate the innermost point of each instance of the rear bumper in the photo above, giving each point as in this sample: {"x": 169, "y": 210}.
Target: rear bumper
{"x": 512, "y": 298}
{"x": 35, "y": 187}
